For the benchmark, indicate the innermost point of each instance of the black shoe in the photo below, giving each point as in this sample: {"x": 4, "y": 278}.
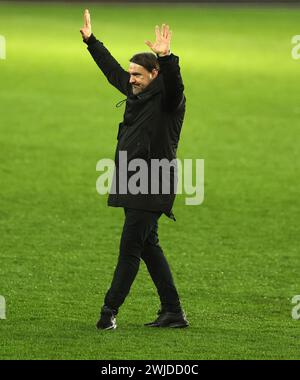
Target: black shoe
{"x": 107, "y": 319}
{"x": 168, "y": 319}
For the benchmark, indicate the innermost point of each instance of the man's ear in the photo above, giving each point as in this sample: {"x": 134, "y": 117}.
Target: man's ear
{"x": 153, "y": 74}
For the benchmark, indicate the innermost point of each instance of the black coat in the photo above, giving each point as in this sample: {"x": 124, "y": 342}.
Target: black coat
{"x": 151, "y": 125}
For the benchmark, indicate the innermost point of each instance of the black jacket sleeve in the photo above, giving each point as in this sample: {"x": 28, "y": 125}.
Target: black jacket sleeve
{"x": 170, "y": 70}
{"x": 115, "y": 74}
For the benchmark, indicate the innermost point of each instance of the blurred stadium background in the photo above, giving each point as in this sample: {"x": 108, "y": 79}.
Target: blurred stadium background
{"x": 235, "y": 258}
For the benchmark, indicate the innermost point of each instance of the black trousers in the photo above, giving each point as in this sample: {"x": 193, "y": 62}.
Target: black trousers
{"x": 139, "y": 240}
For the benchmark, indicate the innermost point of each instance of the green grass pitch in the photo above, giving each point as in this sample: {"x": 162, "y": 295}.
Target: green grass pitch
{"x": 235, "y": 258}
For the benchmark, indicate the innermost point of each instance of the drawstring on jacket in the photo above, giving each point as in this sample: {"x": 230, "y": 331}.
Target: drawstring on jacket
{"x": 120, "y": 103}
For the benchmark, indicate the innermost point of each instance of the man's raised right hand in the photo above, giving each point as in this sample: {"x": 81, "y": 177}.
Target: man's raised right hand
{"x": 86, "y": 31}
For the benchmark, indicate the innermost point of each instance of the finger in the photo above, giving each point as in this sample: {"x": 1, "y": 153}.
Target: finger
{"x": 157, "y": 32}
{"x": 86, "y": 17}
{"x": 167, "y": 31}
{"x": 169, "y": 35}
{"x": 148, "y": 43}
{"x": 163, "y": 30}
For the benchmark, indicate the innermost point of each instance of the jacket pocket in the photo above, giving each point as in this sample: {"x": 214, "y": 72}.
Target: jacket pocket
{"x": 146, "y": 145}
{"x": 136, "y": 144}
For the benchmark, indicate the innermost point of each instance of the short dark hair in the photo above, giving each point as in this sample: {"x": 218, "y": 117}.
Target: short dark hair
{"x": 147, "y": 60}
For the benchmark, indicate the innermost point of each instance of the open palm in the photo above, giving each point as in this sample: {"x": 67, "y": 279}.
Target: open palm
{"x": 163, "y": 40}
{"x": 86, "y": 31}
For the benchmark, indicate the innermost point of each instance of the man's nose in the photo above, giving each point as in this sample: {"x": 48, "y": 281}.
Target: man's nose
{"x": 132, "y": 80}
